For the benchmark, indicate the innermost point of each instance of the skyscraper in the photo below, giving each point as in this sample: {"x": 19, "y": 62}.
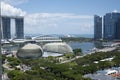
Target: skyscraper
{"x": 6, "y": 34}
{"x": 117, "y": 33}
{"x": 6, "y": 27}
{"x": 111, "y": 25}
{"x": 97, "y": 27}
{"x": 19, "y": 22}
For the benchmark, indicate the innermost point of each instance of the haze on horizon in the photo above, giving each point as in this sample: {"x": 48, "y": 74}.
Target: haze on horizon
{"x": 58, "y": 16}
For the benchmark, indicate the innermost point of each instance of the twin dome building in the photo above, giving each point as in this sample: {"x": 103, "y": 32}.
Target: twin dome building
{"x": 58, "y": 48}
{"x": 35, "y": 51}
{"x": 30, "y": 51}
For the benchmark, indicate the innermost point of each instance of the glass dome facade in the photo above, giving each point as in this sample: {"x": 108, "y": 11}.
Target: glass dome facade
{"x": 30, "y": 51}
{"x": 57, "y": 47}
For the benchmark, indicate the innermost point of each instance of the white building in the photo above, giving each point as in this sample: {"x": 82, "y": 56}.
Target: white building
{"x": 47, "y": 38}
{"x": 107, "y": 72}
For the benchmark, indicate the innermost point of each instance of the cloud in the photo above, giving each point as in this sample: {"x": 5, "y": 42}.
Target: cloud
{"x": 38, "y": 18}
{"x": 61, "y": 15}
{"x": 115, "y": 11}
{"x": 7, "y": 9}
{"x": 51, "y": 23}
{"x": 59, "y": 23}
{"x": 14, "y": 2}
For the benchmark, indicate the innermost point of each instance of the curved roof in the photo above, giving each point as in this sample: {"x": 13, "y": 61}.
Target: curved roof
{"x": 57, "y": 47}
{"x": 45, "y": 36}
{"x": 31, "y": 46}
{"x": 30, "y": 51}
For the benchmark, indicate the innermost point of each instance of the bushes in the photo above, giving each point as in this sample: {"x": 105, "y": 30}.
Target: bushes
{"x": 17, "y": 75}
{"x": 77, "y": 51}
{"x": 13, "y": 61}
{"x": 88, "y": 59}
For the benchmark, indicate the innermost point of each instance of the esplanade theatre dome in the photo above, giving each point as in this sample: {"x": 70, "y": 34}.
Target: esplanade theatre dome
{"x": 30, "y": 51}
{"x": 59, "y": 47}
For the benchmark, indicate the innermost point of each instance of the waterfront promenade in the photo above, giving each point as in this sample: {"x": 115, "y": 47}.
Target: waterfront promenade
{"x": 107, "y": 49}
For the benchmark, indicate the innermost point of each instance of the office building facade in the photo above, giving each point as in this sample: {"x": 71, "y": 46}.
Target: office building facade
{"x": 97, "y": 27}
{"x": 6, "y": 34}
{"x": 111, "y": 26}
{"x": 19, "y": 23}
{"x": 6, "y": 27}
{"x": 117, "y": 33}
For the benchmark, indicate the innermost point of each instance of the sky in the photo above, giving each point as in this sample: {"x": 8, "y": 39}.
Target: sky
{"x": 59, "y": 16}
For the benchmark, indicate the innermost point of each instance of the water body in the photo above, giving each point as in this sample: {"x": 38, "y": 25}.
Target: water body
{"x": 10, "y": 47}
{"x": 86, "y": 46}
{"x": 63, "y": 35}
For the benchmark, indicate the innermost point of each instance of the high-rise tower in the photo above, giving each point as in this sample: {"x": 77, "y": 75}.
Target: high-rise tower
{"x": 117, "y": 33}
{"x": 6, "y": 34}
{"x": 111, "y": 26}
{"x": 19, "y": 22}
{"x": 97, "y": 27}
{"x": 6, "y": 27}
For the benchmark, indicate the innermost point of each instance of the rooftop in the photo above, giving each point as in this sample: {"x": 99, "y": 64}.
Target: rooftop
{"x": 12, "y": 16}
{"x": 31, "y": 46}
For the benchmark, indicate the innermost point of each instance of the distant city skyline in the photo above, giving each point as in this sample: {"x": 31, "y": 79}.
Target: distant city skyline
{"x": 59, "y": 16}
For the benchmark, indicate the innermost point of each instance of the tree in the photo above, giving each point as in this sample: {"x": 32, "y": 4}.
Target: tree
{"x": 69, "y": 55}
{"x": 3, "y": 58}
{"x": 51, "y": 58}
{"x": 13, "y": 61}
{"x": 77, "y": 51}
{"x": 17, "y": 75}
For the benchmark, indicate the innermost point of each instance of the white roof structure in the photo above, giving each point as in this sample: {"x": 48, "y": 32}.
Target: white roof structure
{"x": 99, "y": 77}
{"x": 59, "y": 47}
{"x": 107, "y": 59}
{"x": 4, "y": 41}
{"x": 31, "y": 46}
{"x": 107, "y": 72}
{"x": 47, "y": 54}
{"x": 47, "y": 38}
{"x": 20, "y": 40}
{"x": 30, "y": 51}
